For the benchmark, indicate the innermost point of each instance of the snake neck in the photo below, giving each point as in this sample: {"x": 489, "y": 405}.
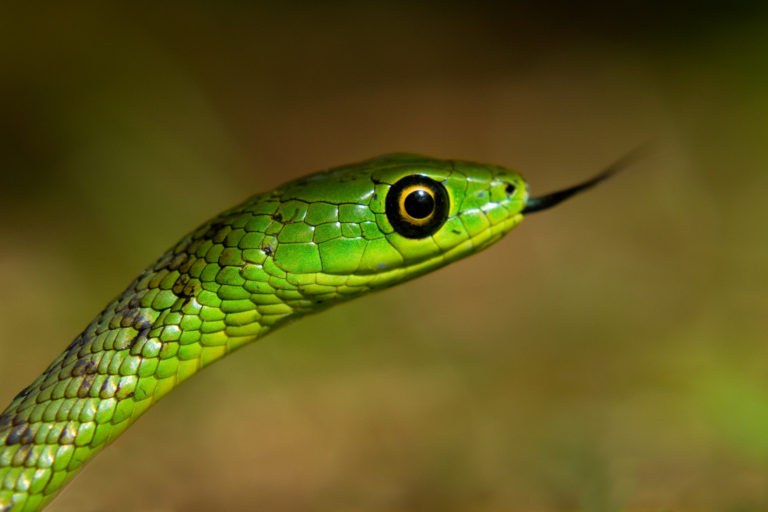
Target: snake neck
{"x": 200, "y": 301}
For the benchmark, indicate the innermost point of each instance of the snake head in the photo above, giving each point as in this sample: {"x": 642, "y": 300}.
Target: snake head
{"x": 340, "y": 233}
{"x": 391, "y": 218}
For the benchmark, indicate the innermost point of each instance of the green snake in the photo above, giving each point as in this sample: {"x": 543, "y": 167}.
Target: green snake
{"x": 311, "y": 243}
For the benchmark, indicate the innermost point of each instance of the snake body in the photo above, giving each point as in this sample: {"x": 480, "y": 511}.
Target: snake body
{"x": 311, "y": 243}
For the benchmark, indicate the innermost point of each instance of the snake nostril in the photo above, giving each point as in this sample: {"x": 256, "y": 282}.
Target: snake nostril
{"x": 510, "y": 189}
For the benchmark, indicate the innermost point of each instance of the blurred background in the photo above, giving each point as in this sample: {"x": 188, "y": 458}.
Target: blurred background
{"x": 608, "y": 355}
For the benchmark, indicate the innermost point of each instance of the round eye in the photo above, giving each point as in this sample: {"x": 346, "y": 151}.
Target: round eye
{"x": 417, "y": 206}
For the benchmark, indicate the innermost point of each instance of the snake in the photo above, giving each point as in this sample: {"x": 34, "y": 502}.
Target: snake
{"x": 311, "y": 243}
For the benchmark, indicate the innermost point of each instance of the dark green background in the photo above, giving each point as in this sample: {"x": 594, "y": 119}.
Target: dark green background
{"x": 608, "y": 355}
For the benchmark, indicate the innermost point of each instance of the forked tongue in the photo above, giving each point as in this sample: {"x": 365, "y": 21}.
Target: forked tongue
{"x": 536, "y": 204}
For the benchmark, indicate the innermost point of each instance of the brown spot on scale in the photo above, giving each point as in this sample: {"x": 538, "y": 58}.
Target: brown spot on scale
{"x": 184, "y": 267}
{"x": 83, "y": 367}
{"x": 180, "y": 284}
{"x": 108, "y": 388}
{"x": 68, "y": 433}
{"x": 27, "y": 436}
{"x": 135, "y": 302}
{"x": 192, "y": 289}
{"x": 185, "y": 288}
{"x": 213, "y": 229}
{"x": 16, "y": 433}
{"x": 178, "y": 260}
{"x": 21, "y": 455}
{"x": 164, "y": 261}
{"x": 76, "y": 343}
{"x": 136, "y": 344}
{"x": 23, "y": 393}
{"x": 85, "y": 387}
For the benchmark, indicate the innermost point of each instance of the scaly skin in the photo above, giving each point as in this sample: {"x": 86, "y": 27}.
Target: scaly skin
{"x": 277, "y": 256}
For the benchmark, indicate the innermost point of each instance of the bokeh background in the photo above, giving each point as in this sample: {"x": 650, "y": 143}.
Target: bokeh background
{"x": 608, "y": 355}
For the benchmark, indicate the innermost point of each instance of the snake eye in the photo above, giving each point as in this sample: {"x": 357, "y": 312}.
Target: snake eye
{"x": 417, "y": 206}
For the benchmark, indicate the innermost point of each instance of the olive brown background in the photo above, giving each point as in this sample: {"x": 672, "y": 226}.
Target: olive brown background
{"x": 609, "y": 354}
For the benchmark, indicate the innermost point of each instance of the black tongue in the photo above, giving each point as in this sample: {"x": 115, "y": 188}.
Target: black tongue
{"x": 536, "y": 204}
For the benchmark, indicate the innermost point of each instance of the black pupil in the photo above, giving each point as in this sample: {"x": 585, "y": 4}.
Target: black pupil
{"x": 419, "y": 204}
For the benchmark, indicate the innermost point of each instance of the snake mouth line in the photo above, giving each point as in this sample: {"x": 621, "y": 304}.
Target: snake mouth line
{"x": 478, "y": 242}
